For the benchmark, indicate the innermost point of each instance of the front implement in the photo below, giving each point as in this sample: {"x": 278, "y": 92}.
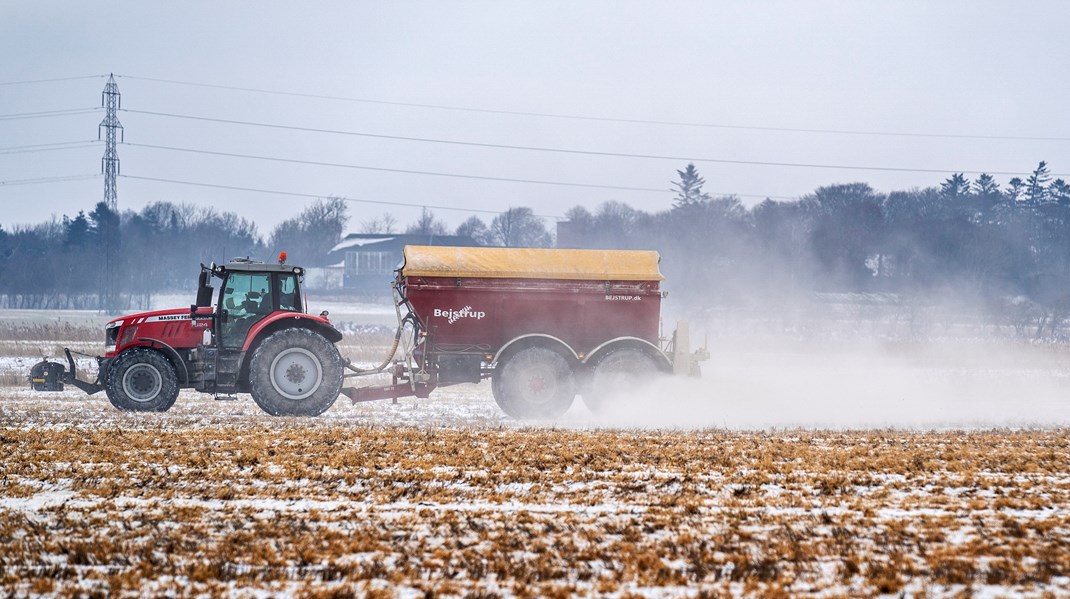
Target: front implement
{"x": 52, "y": 376}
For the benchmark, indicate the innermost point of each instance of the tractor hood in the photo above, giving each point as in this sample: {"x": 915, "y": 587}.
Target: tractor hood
{"x": 153, "y": 315}
{"x": 173, "y": 327}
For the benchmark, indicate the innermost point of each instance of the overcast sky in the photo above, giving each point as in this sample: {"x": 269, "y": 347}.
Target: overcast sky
{"x": 712, "y": 81}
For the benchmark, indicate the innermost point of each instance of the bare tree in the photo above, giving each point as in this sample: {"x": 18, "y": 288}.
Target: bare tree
{"x": 519, "y": 227}
{"x": 427, "y": 224}
{"x": 475, "y": 228}
{"x": 309, "y": 237}
{"x": 382, "y": 224}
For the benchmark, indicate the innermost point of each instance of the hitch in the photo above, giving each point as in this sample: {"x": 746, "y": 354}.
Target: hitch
{"x": 71, "y": 376}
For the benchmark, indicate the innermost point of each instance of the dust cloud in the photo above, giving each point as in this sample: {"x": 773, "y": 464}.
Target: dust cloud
{"x": 855, "y": 385}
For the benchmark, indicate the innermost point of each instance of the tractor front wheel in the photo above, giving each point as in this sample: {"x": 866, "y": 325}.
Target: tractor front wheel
{"x": 141, "y": 380}
{"x": 295, "y": 372}
{"x": 535, "y": 382}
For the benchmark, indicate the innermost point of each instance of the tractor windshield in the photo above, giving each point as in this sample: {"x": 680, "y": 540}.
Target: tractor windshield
{"x": 246, "y": 298}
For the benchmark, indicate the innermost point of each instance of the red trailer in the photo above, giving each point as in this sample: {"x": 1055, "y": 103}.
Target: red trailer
{"x": 543, "y": 324}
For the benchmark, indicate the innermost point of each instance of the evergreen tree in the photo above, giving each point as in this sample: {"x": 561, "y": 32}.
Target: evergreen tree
{"x": 955, "y": 186}
{"x": 1014, "y": 189}
{"x": 1059, "y": 191}
{"x": 77, "y": 231}
{"x": 689, "y": 188}
{"x": 985, "y": 185}
{"x": 1036, "y": 186}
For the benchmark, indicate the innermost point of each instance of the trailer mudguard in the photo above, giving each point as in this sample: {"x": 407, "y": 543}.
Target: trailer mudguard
{"x": 550, "y": 338}
{"x": 649, "y": 347}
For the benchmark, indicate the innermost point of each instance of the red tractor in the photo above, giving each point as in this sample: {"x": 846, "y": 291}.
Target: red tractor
{"x": 544, "y": 325}
{"x": 256, "y": 339}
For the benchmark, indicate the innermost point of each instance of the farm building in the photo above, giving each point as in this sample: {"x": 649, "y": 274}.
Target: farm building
{"x": 369, "y": 259}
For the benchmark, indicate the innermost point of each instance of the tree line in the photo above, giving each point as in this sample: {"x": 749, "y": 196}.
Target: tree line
{"x": 974, "y": 240}
{"x": 109, "y": 261}
{"x": 970, "y": 237}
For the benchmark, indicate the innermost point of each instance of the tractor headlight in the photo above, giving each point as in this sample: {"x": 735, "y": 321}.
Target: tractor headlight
{"x": 111, "y": 335}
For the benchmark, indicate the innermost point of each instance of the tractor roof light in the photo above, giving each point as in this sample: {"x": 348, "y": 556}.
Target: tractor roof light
{"x": 282, "y": 257}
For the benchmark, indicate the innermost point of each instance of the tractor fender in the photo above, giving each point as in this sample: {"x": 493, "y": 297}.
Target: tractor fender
{"x": 283, "y": 320}
{"x": 541, "y": 338}
{"x": 171, "y": 353}
{"x": 636, "y": 342}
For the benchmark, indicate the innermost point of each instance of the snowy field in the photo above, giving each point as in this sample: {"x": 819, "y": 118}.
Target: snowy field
{"x": 835, "y": 469}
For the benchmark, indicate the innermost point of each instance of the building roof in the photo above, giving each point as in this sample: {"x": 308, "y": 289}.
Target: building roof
{"x": 395, "y": 241}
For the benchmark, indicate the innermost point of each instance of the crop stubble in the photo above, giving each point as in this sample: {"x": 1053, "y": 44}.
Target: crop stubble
{"x": 146, "y": 504}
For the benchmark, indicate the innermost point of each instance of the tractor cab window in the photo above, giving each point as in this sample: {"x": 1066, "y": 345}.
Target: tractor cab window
{"x": 246, "y": 299}
{"x": 288, "y": 297}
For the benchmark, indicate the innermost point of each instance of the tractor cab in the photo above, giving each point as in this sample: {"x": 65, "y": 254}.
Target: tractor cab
{"x": 250, "y": 292}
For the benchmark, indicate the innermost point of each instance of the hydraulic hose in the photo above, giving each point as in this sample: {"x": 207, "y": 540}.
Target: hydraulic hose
{"x": 386, "y": 362}
{"x": 398, "y": 300}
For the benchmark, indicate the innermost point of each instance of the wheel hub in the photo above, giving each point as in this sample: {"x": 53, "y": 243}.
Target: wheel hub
{"x": 537, "y": 384}
{"x": 296, "y": 373}
{"x": 142, "y": 382}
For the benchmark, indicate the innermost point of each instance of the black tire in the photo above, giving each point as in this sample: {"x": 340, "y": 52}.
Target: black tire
{"x": 141, "y": 380}
{"x": 295, "y": 372}
{"x": 616, "y": 374}
{"x": 535, "y": 382}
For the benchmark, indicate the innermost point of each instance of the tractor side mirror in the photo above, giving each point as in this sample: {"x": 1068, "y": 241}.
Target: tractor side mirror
{"x": 204, "y": 291}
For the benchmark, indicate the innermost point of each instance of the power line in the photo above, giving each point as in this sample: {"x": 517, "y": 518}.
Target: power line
{"x": 52, "y": 80}
{"x": 571, "y": 151}
{"x": 49, "y": 149}
{"x": 63, "y": 145}
{"x": 609, "y": 119}
{"x": 48, "y": 113}
{"x": 320, "y": 196}
{"x": 46, "y": 180}
{"x": 404, "y": 171}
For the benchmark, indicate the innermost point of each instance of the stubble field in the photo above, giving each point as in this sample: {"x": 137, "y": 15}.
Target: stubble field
{"x": 449, "y": 497}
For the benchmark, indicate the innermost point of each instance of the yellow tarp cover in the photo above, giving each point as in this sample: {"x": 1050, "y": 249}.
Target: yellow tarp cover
{"x": 531, "y": 263}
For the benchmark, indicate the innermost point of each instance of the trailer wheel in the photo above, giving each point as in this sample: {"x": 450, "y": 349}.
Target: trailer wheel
{"x": 141, "y": 380}
{"x": 295, "y": 372}
{"x": 616, "y": 374}
{"x": 534, "y": 383}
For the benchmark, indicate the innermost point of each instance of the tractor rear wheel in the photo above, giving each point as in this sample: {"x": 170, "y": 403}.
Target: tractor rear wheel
{"x": 141, "y": 380}
{"x": 535, "y": 382}
{"x": 295, "y": 372}
{"x": 615, "y": 375}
